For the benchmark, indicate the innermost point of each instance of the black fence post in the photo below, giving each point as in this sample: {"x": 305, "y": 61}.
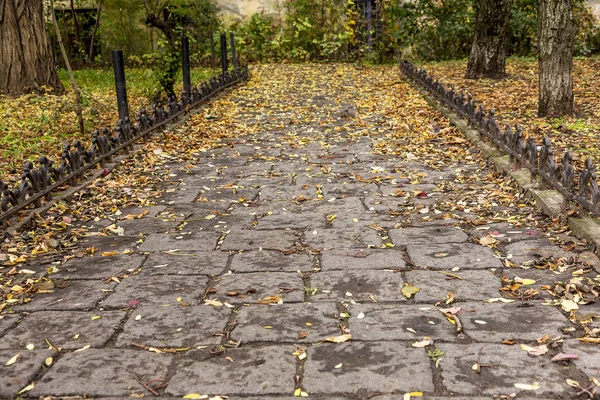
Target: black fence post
{"x": 233, "y": 55}
{"x": 185, "y": 62}
{"x": 119, "y": 69}
{"x": 224, "y": 66}
{"x": 212, "y": 49}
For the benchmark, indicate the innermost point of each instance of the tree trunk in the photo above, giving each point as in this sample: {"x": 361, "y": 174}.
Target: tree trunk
{"x": 488, "y": 51}
{"x": 26, "y": 61}
{"x": 555, "y": 57}
{"x": 98, "y": 11}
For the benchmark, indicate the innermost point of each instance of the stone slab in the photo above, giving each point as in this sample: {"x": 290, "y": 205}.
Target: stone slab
{"x": 111, "y": 243}
{"x": 157, "y": 290}
{"x": 102, "y": 372}
{"x": 174, "y": 327}
{"x": 99, "y": 267}
{"x": 393, "y": 321}
{"x": 145, "y": 226}
{"x": 505, "y": 233}
{"x": 448, "y": 256}
{"x": 434, "y": 286}
{"x": 540, "y": 276}
{"x": 357, "y": 285}
{"x": 429, "y": 235}
{"x": 373, "y": 367}
{"x": 68, "y": 296}
{"x": 271, "y": 261}
{"x": 255, "y": 286}
{"x": 385, "y": 204}
{"x": 589, "y": 357}
{"x": 256, "y": 239}
{"x": 61, "y": 329}
{"x": 254, "y": 371}
{"x": 532, "y": 250}
{"x": 197, "y": 241}
{"x": 495, "y": 322}
{"x": 367, "y": 259}
{"x": 283, "y": 323}
{"x": 185, "y": 263}
{"x": 6, "y": 322}
{"x": 342, "y": 238}
{"x": 289, "y": 220}
{"x": 511, "y": 365}
{"x": 15, "y": 377}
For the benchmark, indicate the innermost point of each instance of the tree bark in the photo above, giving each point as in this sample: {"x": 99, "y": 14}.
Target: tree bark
{"x": 555, "y": 57}
{"x": 488, "y": 51}
{"x": 98, "y": 11}
{"x": 26, "y": 61}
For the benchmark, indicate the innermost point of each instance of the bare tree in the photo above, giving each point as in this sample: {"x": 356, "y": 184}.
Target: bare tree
{"x": 26, "y": 61}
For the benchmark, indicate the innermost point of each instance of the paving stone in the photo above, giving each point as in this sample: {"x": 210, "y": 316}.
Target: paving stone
{"x": 271, "y": 261}
{"x": 284, "y": 322}
{"x": 532, "y": 250}
{"x": 60, "y": 329}
{"x": 157, "y": 290}
{"x": 15, "y": 377}
{"x": 255, "y": 371}
{"x": 99, "y": 267}
{"x": 393, "y": 321}
{"x": 184, "y": 263}
{"x": 111, "y": 243}
{"x": 256, "y": 286}
{"x": 68, "y": 297}
{"x": 6, "y": 322}
{"x": 174, "y": 327}
{"x": 589, "y": 357}
{"x": 288, "y": 193}
{"x": 505, "y": 233}
{"x": 291, "y": 221}
{"x": 370, "y": 367}
{"x": 255, "y": 240}
{"x": 342, "y": 190}
{"x": 342, "y": 238}
{"x": 384, "y": 204}
{"x": 511, "y": 321}
{"x": 429, "y": 235}
{"x": 448, "y": 256}
{"x": 197, "y": 241}
{"x": 511, "y": 365}
{"x": 434, "y": 286}
{"x": 102, "y": 372}
{"x": 145, "y": 226}
{"x": 367, "y": 259}
{"x": 362, "y": 219}
{"x": 336, "y": 285}
{"x": 541, "y": 277}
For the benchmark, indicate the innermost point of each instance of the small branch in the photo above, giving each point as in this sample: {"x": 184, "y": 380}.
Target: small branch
{"x": 71, "y": 77}
{"x": 98, "y": 11}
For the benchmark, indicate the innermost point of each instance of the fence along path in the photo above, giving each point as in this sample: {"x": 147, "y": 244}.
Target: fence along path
{"x": 39, "y": 182}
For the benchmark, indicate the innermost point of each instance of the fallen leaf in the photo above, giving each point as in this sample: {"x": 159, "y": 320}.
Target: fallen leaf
{"x": 27, "y": 388}
{"x": 535, "y": 350}
{"x": 409, "y": 290}
{"x": 215, "y": 303}
{"x": 423, "y": 343}
{"x": 569, "y": 305}
{"x": 338, "y": 339}
{"x": 564, "y": 356}
{"x": 525, "y": 386}
{"x": 195, "y": 396}
{"x": 271, "y": 300}
{"x": 487, "y": 240}
{"x": 13, "y": 359}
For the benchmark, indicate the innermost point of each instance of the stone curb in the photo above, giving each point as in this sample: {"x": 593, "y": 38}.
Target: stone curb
{"x": 551, "y": 202}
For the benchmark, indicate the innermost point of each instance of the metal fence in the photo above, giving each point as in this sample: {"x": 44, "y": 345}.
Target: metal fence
{"x": 38, "y": 182}
{"x": 580, "y": 186}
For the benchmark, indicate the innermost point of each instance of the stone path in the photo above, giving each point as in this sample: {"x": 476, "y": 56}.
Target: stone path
{"x": 317, "y": 225}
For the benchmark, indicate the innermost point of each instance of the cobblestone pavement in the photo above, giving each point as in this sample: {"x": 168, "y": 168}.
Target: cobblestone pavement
{"x": 351, "y": 247}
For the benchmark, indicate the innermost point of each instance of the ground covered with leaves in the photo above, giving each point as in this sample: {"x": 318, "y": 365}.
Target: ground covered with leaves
{"x": 321, "y": 221}
{"x": 40, "y": 124}
{"x": 515, "y": 100}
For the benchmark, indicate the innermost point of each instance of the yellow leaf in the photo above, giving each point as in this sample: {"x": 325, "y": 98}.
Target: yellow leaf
{"x": 109, "y": 253}
{"x": 48, "y": 361}
{"x": 487, "y": 240}
{"x": 297, "y": 392}
{"x": 271, "y": 300}
{"x": 525, "y": 386}
{"x": 408, "y": 290}
{"x": 13, "y": 360}
{"x": 195, "y": 396}
{"x": 95, "y": 317}
{"x": 27, "y": 388}
{"x": 84, "y": 348}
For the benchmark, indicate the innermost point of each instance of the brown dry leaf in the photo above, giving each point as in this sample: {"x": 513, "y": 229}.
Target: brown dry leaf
{"x": 487, "y": 240}
{"x": 338, "y": 339}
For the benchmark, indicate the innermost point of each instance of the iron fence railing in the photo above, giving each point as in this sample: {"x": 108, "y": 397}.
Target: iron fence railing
{"x": 537, "y": 158}
{"x": 38, "y": 182}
